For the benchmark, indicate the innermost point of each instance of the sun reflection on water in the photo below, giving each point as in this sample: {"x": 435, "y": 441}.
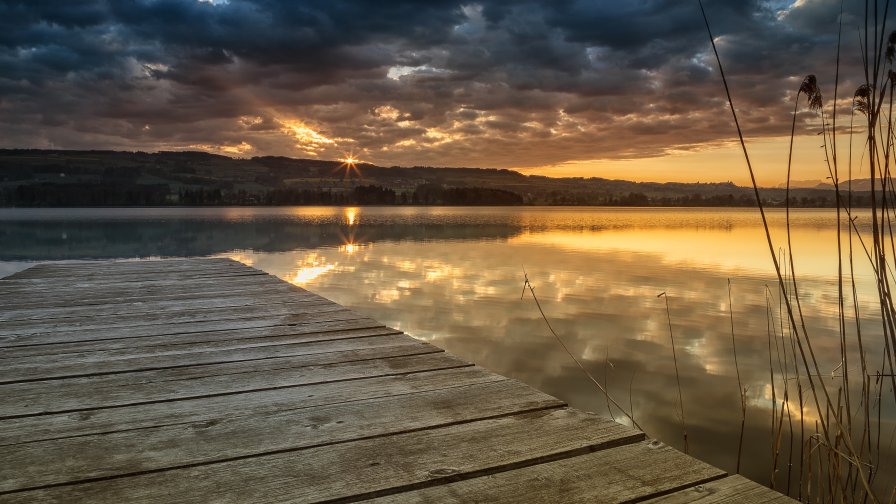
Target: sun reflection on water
{"x": 351, "y": 215}
{"x": 349, "y": 248}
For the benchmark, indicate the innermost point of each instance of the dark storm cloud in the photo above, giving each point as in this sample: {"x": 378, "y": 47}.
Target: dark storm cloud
{"x": 495, "y": 83}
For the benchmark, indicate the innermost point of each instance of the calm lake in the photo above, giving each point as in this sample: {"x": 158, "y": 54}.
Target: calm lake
{"x": 453, "y": 276}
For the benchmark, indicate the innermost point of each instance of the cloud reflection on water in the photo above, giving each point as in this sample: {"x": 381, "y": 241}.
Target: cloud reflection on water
{"x": 599, "y": 290}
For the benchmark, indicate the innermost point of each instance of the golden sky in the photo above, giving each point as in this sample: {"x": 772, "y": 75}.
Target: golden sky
{"x": 717, "y": 163}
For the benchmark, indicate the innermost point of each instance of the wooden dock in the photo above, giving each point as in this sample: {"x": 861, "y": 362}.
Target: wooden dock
{"x": 205, "y": 380}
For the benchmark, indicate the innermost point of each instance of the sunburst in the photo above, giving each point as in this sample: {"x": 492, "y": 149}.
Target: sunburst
{"x": 350, "y": 164}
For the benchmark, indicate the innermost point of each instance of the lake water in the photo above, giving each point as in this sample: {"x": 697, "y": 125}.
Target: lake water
{"x": 454, "y": 276}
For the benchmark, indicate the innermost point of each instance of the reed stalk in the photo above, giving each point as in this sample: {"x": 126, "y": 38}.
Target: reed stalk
{"x": 684, "y": 427}
{"x": 740, "y": 386}
{"x": 528, "y": 285}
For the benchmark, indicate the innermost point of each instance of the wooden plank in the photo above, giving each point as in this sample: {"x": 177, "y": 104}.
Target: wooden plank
{"x": 183, "y": 328}
{"x": 133, "y": 312}
{"x": 91, "y": 275}
{"x": 75, "y": 268}
{"x": 113, "y": 279}
{"x": 321, "y": 331}
{"x": 73, "y": 299}
{"x": 41, "y": 286}
{"x": 117, "y": 281}
{"x": 243, "y": 434}
{"x": 96, "y": 421}
{"x": 95, "y": 392}
{"x": 627, "y": 473}
{"x": 92, "y": 268}
{"x": 50, "y": 367}
{"x": 364, "y": 468}
{"x": 38, "y": 326}
{"x": 125, "y": 266}
{"x": 733, "y": 489}
{"x": 124, "y": 283}
{"x": 136, "y": 261}
{"x": 136, "y": 307}
{"x": 12, "y": 288}
{"x": 97, "y": 359}
{"x": 102, "y": 299}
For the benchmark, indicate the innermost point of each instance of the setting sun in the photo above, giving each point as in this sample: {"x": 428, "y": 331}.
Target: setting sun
{"x": 350, "y": 164}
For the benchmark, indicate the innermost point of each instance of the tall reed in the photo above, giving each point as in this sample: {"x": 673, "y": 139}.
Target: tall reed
{"x": 740, "y": 386}
{"x": 684, "y": 425}
{"x": 528, "y": 285}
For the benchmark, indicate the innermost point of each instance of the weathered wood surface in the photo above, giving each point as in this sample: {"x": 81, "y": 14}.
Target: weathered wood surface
{"x": 732, "y": 490}
{"x": 204, "y": 380}
{"x": 623, "y": 474}
{"x": 74, "y": 365}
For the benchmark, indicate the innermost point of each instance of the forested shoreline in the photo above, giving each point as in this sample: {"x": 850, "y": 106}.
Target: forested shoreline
{"x": 48, "y": 178}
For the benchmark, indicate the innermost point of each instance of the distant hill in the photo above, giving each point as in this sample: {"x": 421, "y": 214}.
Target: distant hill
{"x": 30, "y": 177}
{"x": 801, "y": 184}
{"x": 856, "y": 185}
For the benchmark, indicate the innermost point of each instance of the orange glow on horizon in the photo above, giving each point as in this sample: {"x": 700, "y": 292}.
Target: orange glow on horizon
{"x": 713, "y": 163}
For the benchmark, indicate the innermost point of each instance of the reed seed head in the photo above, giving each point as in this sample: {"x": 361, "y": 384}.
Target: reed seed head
{"x": 809, "y": 87}
{"x": 862, "y": 99}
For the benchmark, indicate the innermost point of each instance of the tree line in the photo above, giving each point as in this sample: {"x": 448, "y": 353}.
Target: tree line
{"x": 116, "y": 194}
{"x": 105, "y": 194}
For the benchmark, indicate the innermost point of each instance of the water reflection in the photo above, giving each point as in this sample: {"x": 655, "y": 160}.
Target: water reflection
{"x": 453, "y": 277}
{"x": 311, "y": 267}
{"x": 350, "y": 215}
{"x": 47, "y": 235}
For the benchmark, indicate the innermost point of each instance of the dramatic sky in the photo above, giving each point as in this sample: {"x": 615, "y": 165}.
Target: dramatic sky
{"x": 621, "y": 88}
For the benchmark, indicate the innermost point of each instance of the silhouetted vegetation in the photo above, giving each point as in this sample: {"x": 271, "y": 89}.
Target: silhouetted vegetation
{"x": 73, "y": 195}
{"x": 109, "y": 178}
{"x": 432, "y": 194}
{"x": 66, "y": 195}
{"x": 843, "y": 459}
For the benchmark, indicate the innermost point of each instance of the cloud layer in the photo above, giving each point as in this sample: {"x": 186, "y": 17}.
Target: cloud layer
{"x": 491, "y": 83}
